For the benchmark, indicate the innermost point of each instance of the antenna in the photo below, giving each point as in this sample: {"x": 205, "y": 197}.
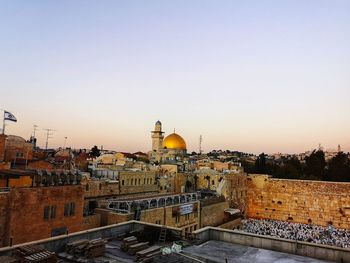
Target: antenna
{"x": 34, "y": 129}
{"x": 49, "y": 133}
{"x": 200, "y": 144}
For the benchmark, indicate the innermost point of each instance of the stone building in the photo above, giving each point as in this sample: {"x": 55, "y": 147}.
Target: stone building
{"x": 178, "y": 210}
{"x": 29, "y": 214}
{"x": 15, "y": 149}
{"x": 172, "y": 148}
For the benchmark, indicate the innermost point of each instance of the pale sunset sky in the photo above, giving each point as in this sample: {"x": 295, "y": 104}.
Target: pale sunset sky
{"x": 254, "y": 76}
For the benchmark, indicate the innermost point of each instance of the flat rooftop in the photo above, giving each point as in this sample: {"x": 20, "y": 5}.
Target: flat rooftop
{"x": 219, "y": 251}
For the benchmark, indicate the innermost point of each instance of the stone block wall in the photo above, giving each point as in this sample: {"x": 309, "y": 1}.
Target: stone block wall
{"x": 4, "y": 214}
{"x": 301, "y": 201}
{"x": 213, "y": 215}
{"x": 2, "y": 147}
{"x": 26, "y": 221}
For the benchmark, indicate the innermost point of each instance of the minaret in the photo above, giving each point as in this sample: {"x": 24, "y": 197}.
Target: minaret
{"x": 157, "y": 137}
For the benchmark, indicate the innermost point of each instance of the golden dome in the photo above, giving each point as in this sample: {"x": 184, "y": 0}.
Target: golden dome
{"x": 174, "y": 141}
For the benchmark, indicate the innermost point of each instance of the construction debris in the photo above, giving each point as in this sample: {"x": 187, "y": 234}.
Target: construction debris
{"x": 87, "y": 248}
{"x": 35, "y": 254}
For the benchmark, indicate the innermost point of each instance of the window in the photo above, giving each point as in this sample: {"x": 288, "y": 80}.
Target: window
{"x": 132, "y": 181}
{"x": 177, "y": 219}
{"x": 122, "y": 182}
{"x": 53, "y": 211}
{"x": 49, "y": 212}
{"x": 46, "y": 212}
{"x": 187, "y": 217}
{"x": 69, "y": 209}
{"x": 100, "y": 186}
{"x": 144, "y": 180}
{"x": 87, "y": 187}
{"x": 139, "y": 181}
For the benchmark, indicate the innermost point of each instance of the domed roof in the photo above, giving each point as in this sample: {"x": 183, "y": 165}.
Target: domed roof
{"x": 174, "y": 141}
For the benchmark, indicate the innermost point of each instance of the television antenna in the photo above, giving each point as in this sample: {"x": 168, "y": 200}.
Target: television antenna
{"x": 49, "y": 133}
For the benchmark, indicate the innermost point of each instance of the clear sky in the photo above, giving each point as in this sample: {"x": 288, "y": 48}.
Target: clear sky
{"x": 254, "y": 76}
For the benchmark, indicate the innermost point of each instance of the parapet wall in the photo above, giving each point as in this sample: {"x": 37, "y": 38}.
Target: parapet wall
{"x": 301, "y": 201}
{"x": 305, "y": 249}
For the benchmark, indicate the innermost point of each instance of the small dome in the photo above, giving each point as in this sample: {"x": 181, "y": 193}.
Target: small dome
{"x": 158, "y": 123}
{"x": 174, "y": 141}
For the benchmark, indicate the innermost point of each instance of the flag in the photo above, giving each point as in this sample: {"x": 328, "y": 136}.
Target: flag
{"x": 9, "y": 116}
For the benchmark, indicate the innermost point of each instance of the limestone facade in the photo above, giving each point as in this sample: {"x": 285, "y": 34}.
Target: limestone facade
{"x": 40, "y": 212}
{"x": 301, "y": 201}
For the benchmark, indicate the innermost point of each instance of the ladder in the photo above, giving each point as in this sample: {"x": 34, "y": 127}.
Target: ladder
{"x": 162, "y": 235}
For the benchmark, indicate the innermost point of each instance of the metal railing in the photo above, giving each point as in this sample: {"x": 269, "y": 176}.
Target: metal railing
{"x": 4, "y": 189}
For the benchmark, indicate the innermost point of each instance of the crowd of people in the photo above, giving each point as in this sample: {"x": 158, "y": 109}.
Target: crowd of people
{"x": 301, "y": 232}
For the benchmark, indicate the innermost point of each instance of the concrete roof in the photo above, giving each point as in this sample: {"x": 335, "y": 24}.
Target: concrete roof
{"x": 218, "y": 251}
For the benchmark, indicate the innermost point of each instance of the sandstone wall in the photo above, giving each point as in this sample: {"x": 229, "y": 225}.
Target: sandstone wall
{"x": 2, "y": 147}
{"x": 213, "y": 215}
{"x": 26, "y": 220}
{"x": 4, "y": 213}
{"x": 91, "y": 221}
{"x": 316, "y": 202}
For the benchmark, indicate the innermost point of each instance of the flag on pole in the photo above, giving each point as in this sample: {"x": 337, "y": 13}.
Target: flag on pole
{"x": 9, "y": 116}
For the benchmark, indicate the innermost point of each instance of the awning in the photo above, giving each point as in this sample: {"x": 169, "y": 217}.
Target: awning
{"x": 232, "y": 211}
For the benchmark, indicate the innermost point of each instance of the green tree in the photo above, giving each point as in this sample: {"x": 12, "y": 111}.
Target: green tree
{"x": 95, "y": 152}
{"x": 339, "y": 168}
{"x": 260, "y": 164}
{"x": 315, "y": 165}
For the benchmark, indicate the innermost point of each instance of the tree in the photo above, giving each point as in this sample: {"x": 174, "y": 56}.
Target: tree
{"x": 95, "y": 152}
{"x": 315, "y": 165}
{"x": 339, "y": 168}
{"x": 260, "y": 164}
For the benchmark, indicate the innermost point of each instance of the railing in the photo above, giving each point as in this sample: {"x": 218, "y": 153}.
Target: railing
{"x": 4, "y": 189}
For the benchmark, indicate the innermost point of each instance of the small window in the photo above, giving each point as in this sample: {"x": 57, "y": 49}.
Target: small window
{"x": 139, "y": 181}
{"x": 177, "y": 219}
{"x": 87, "y": 187}
{"x": 69, "y": 209}
{"x": 100, "y": 186}
{"x": 46, "y": 212}
{"x": 53, "y": 211}
{"x": 72, "y": 209}
{"x": 122, "y": 182}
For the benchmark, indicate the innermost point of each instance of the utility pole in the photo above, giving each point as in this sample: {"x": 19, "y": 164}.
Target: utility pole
{"x": 49, "y": 133}
{"x": 65, "y": 140}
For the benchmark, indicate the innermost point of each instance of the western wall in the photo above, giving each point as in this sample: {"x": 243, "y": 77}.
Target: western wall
{"x": 300, "y": 201}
